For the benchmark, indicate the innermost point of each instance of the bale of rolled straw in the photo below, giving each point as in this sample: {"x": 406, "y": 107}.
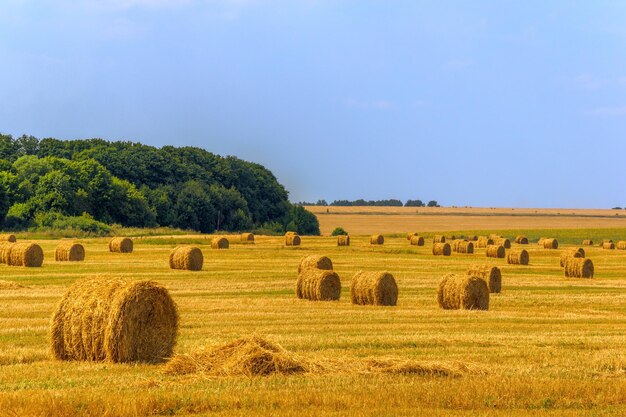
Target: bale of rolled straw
{"x": 483, "y": 242}
{"x": 439, "y": 239}
{"x": 573, "y": 253}
{"x": 464, "y": 292}
{"x": 374, "y": 288}
{"x": 503, "y": 242}
{"x": 451, "y": 237}
{"x": 417, "y": 241}
{"x": 377, "y": 240}
{"x": 410, "y": 235}
{"x": 541, "y": 240}
{"x": 188, "y": 258}
{"x": 550, "y": 243}
{"x": 7, "y": 237}
{"x": 491, "y": 275}
{"x": 292, "y": 240}
{"x": 5, "y": 251}
{"x": 517, "y": 257}
{"x": 121, "y": 244}
{"x": 579, "y": 267}
{"x": 495, "y": 237}
{"x": 463, "y": 246}
{"x": 606, "y": 240}
{"x": 495, "y": 251}
{"x": 343, "y": 240}
{"x": 290, "y": 233}
{"x": 25, "y": 254}
{"x": 315, "y": 262}
{"x": 608, "y": 245}
{"x": 442, "y": 249}
{"x": 219, "y": 242}
{"x": 69, "y": 251}
{"x": 247, "y": 238}
{"x": 521, "y": 240}
{"x": 115, "y": 320}
{"x": 318, "y": 285}
{"x": 621, "y": 245}
{"x": 587, "y": 242}
{"x": 472, "y": 238}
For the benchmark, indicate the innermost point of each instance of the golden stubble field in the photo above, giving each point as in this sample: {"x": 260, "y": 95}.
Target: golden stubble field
{"x": 548, "y": 346}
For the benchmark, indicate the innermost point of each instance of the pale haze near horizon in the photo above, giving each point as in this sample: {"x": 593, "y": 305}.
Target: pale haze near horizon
{"x": 507, "y": 104}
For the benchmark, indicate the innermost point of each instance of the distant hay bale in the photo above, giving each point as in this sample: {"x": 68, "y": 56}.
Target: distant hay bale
{"x": 587, "y": 242}
{"x": 451, "y": 237}
{"x": 573, "y": 253}
{"x": 579, "y": 268}
{"x": 115, "y": 320}
{"x": 463, "y": 246}
{"x": 550, "y": 243}
{"x": 518, "y": 257}
{"x": 377, "y": 240}
{"x": 417, "y": 241}
{"x": 442, "y": 249}
{"x": 606, "y": 240}
{"x": 608, "y": 245}
{"x": 483, "y": 242}
{"x": 5, "y": 251}
{"x": 25, "y": 254}
{"x": 315, "y": 262}
{"x": 292, "y": 240}
{"x": 621, "y": 245}
{"x": 291, "y": 234}
{"x": 121, "y": 244}
{"x": 318, "y": 285}
{"x": 343, "y": 240}
{"x": 7, "y": 237}
{"x": 247, "y": 238}
{"x": 472, "y": 238}
{"x": 188, "y": 258}
{"x": 495, "y": 251}
{"x": 495, "y": 237}
{"x": 410, "y": 235}
{"x": 219, "y": 242}
{"x": 374, "y": 288}
{"x": 503, "y": 242}
{"x": 69, "y": 251}
{"x": 491, "y": 275}
{"x": 439, "y": 239}
{"x": 541, "y": 241}
{"x": 465, "y": 292}
{"x": 521, "y": 240}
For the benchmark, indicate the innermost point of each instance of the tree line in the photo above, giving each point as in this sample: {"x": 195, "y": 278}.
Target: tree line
{"x": 379, "y": 203}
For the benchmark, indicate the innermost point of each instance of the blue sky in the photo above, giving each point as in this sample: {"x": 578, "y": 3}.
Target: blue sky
{"x": 479, "y": 103}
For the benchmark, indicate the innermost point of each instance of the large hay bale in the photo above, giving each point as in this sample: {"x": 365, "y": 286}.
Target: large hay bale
{"x": 579, "y": 267}
{"x": 343, "y": 240}
{"x": 463, "y": 246}
{"x": 521, "y": 240}
{"x": 503, "y": 242}
{"x": 188, "y": 258}
{"x": 587, "y": 242}
{"x": 439, "y": 239}
{"x": 417, "y": 241}
{"x": 315, "y": 262}
{"x": 541, "y": 241}
{"x": 483, "y": 242}
{"x": 491, "y": 275}
{"x": 465, "y": 292}
{"x": 247, "y": 238}
{"x": 573, "y": 252}
{"x": 608, "y": 245}
{"x": 25, "y": 254}
{"x": 292, "y": 240}
{"x": 518, "y": 257}
{"x": 410, "y": 235}
{"x": 621, "y": 245}
{"x": 69, "y": 251}
{"x": 442, "y": 249}
{"x": 374, "y": 288}
{"x": 550, "y": 243}
{"x": 377, "y": 240}
{"x": 121, "y": 244}
{"x": 5, "y": 251}
{"x": 115, "y": 320}
{"x": 219, "y": 242}
{"x": 7, "y": 237}
{"x": 318, "y": 285}
{"x": 495, "y": 251}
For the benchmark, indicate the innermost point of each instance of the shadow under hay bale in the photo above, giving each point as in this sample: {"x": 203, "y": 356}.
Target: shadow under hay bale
{"x": 115, "y": 320}
{"x": 188, "y": 258}
{"x": 491, "y": 275}
{"x": 247, "y": 238}
{"x": 587, "y": 242}
{"x": 463, "y": 246}
{"x": 121, "y": 245}
{"x": 463, "y": 292}
{"x": 521, "y": 240}
{"x": 25, "y": 254}
{"x": 439, "y": 239}
{"x": 318, "y": 285}
{"x": 608, "y": 245}
{"x": 69, "y": 251}
{"x": 417, "y": 241}
{"x": 571, "y": 253}
{"x": 219, "y": 242}
{"x": 377, "y": 240}
{"x": 483, "y": 242}
{"x": 495, "y": 251}
{"x": 506, "y": 243}
{"x": 518, "y": 257}
{"x": 579, "y": 268}
{"x": 442, "y": 249}
{"x": 343, "y": 240}
{"x": 292, "y": 240}
{"x": 621, "y": 245}
{"x": 374, "y": 288}
{"x": 7, "y": 238}
{"x": 315, "y": 262}
{"x": 550, "y": 243}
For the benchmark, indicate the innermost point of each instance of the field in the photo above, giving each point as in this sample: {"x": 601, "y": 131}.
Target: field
{"x": 548, "y": 346}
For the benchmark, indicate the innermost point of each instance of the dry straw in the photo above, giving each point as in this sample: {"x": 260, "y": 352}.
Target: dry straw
{"x": 374, "y": 288}
{"x": 608, "y": 245}
{"x": 491, "y": 275}
{"x": 115, "y": 320}
{"x": 439, "y": 239}
{"x": 472, "y": 238}
{"x": 417, "y": 241}
{"x": 25, "y": 254}
{"x": 588, "y": 242}
{"x": 518, "y": 257}
{"x": 442, "y": 249}
{"x": 495, "y": 251}
{"x": 410, "y": 235}
{"x": 292, "y": 239}
{"x": 522, "y": 240}
{"x": 463, "y": 246}
{"x": 550, "y": 243}
{"x": 579, "y": 268}
{"x": 495, "y": 237}
{"x": 503, "y": 242}
{"x": 186, "y": 257}
{"x": 464, "y": 292}
{"x": 315, "y": 262}
{"x": 247, "y": 238}
{"x": 377, "y": 240}
{"x": 121, "y": 244}
{"x": 621, "y": 245}
{"x": 7, "y": 238}
{"x": 219, "y": 242}
{"x": 69, "y": 251}
{"x": 5, "y": 251}
{"x": 451, "y": 237}
{"x": 343, "y": 240}
{"x": 318, "y": 285}
{"x": 483, "y": 242}
{"x": 571, "y": 253}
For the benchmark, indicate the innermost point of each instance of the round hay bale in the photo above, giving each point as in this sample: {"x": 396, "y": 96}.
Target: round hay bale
{"x": 188, "y": 258}
{"x": 521, "y": 240}
{"x": 343, "y": 240}
{"x": 121, "y": 244}
{"x": 495, "y": 251}
{"x": 464, "y": 292}
{"x": 417, "y": 241}
{"x": 608, "y": 245}
{"x": 25, "y": 254}
{"x": 451, "y": 237}
{"x": 574, "y": 253}
{"x": 503, "y": 242}
{"x": 587, "y": 242}
{"x": 518, "y": 257}
{"x": 219, "y": 242}
{"x": 115, "y": 320}
{"x": 315, "y": 262}
{"x": 291, "y": 234}
{"x": 462, "y": 246}
{"x": 550, "y": 243}
{"x": 483, "y": 242}
{"x": 69, "y": 251}
{"x": 579, "y": 268}
{"x": 5, "y": 251}
{"x": 410, "y": 235}
{"x": 318, "y": 285}
{"x": 491, "y": 275}
{"x": 621, "y": 245}
{"x": 7, "y": 237}
{"x": 439, "y": 239}
{"x": 292, "y": 240}
{"x": 374, "y": 288}
{"x": 377, "y": 240}
{"x": 247, "y": 238}
{"x": 541, "y": 241}
{"x": 472, "y": 238}
{"x": 442, "y": 249}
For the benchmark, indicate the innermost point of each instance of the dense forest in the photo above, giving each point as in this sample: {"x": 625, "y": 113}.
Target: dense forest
{"x": 377, "y": 203}
{"x": 89, "y": 184}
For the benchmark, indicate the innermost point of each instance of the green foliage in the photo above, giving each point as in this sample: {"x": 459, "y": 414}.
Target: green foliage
{"x": 414, "y": 203}
{"x": 85, "y": 223}
{"x": 19, "y": 216}
{"x": 302, "y": 221}
{"x": 339, "y": 231}
{"x": 433, "y": 203}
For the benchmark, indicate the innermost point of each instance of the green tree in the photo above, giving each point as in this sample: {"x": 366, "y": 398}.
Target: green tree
{"x": 194, "y": 209}
{"x": 302, "y": 221}
{"x": 54, "y": 193}
{"x": 339, "y": 231}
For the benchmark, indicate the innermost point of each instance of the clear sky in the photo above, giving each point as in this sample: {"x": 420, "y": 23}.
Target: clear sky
{"x": 484, "y": 103}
